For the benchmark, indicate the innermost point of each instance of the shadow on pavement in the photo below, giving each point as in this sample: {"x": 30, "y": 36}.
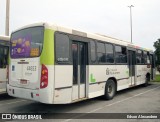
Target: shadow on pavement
{"x": 5, "y": 96}
{"x": 35, "y": 107}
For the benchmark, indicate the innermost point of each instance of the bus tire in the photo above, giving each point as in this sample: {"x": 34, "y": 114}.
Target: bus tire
{"x": 110, "y": 89}
{"x": 147, "y": 80}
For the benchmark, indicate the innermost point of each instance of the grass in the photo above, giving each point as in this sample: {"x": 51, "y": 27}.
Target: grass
{"x": 157, "y": 78}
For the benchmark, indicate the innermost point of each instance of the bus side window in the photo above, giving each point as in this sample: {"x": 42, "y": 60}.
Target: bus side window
{"x": 101, "y": 52}
{"x": 93, "y": 51}
{"x": 109, "y": 53}
{"x": 144, "y": 57}
{"x": 121, "y": 54}
{"x": 62, "y": 48}
{"x": 139, "y": 56}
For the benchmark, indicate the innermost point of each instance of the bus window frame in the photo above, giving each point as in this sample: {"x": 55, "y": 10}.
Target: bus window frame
{"x": 69, "y": 62}
{"x": 105, "y": 63}
{"x": 89, "y": 51}
{"x": 113, "y": 52}
{"x": 144, "y": 53}
{"x": 115, "y": 55}
{"x": 97, "y": 52}
{"x": 141, "y": 58}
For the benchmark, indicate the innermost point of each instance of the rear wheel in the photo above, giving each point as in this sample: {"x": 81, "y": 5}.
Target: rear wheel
{"x": 147, "y": 80}
{"x": 110, "y": 89}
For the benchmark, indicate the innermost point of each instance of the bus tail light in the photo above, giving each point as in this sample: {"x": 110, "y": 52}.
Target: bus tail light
{"x": 44, "y": 77}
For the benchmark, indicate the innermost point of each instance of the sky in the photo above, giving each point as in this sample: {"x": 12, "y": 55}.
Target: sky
{"x": 107, "y": 17}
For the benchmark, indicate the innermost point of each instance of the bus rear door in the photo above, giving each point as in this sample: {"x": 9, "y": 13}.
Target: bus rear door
{"x": 131, "y": 65}
{"x": 79, "y": 57}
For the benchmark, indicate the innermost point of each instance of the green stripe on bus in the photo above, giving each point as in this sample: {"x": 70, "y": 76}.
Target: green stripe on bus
{"x": 92, "y": 79}
{"x": 9, "y": 58}
{"x": 47, "y": 56}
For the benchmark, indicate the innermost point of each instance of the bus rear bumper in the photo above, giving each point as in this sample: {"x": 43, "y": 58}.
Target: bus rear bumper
{"x": 43, "y": 96}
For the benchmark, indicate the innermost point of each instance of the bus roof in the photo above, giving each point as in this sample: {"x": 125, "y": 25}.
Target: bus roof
{"x": 5, "y": 38}
{"x": 95, "y": 36}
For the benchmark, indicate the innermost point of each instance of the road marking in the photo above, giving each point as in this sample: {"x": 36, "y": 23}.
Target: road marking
{"x": 12, "y": 102}
{"x": 107, "y": 105}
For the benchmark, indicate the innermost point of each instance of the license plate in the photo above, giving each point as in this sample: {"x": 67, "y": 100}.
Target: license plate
{"x": 23, "y": 81}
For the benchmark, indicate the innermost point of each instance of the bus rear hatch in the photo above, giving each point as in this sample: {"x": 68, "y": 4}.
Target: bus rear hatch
{"x": 26, "y": 47}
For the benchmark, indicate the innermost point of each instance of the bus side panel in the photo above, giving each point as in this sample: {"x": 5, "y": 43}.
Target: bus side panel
{"x": 47, "y": 55}
{"x": 63, "y": 83}
{"x": 97, "y": 79}
{"x": 47, "y": 58}
{"x": 139, "y": 74}
{"x": 99, "y": 74}
{"x": 121, "y": 74}
{"x": 3, "y": 80}
{"x": 142, "y": 70}
{"x": 3, "y": 73}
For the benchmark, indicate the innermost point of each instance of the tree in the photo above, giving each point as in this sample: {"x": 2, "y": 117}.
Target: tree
{"x": 157, "y": 51}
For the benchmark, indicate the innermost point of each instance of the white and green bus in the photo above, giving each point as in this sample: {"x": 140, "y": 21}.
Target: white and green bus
{"x": 57, "y": 65}
{"x": 4, "y": 51}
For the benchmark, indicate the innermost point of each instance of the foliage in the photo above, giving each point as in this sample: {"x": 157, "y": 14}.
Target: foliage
{"x": 157, "y": 51}
{"x": 157, "y": 78}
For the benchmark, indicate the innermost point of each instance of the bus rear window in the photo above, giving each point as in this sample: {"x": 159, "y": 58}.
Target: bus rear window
{"x": 27, "y": 42}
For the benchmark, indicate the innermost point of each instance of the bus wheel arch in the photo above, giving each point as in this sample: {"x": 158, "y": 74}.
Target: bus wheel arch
{"x": 110, "y": 88}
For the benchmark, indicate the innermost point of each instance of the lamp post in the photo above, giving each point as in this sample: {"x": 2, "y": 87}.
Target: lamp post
{"x": 131, "y": 19}
{"x": 7, "y": 17}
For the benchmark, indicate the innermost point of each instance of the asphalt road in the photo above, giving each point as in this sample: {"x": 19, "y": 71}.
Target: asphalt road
{"x": 134, "y": 100}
